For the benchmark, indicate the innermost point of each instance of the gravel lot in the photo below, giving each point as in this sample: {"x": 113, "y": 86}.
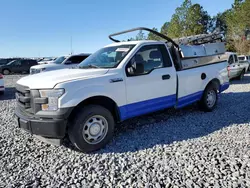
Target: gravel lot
{"x": 172, "y": 148}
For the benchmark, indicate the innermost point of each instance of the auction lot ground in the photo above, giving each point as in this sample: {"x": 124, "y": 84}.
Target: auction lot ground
{"x": 171, "y": 148}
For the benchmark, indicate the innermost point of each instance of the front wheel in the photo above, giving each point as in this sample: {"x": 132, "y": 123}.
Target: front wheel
{"x": 92, "y": 128}
{"x": 209, "y": 98}
{"x": 6, "y": 72}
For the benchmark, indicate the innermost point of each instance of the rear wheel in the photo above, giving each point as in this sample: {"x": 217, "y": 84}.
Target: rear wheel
{"x": 209, "y": 98}
{"x": 92, "y": 128}
{"x": 6, "y": 72}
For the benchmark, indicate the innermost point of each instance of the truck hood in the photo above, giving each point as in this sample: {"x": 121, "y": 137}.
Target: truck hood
{"x": 48, "y": 80}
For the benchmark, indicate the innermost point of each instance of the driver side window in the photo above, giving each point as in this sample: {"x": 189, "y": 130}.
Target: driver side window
{"x": 17, "y": 63}
{"x": 145, "y": 60}
{"x": 230, "y": 60}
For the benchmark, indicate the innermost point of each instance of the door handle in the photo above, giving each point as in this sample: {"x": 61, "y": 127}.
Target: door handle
{"x": 165, "y": 77}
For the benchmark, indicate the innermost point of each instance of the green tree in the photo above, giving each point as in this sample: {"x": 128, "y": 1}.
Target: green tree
{"x": 177, "y": 26}
{"x": 140, "y": 36}
{"x": 219, "y": 22}
{"x": 197, "y": 20}
{"x": 238, "y": 23}
{"x": 164, "y": 28}
{"x": 152, "y": 36}
{"x": 189, "y": 19}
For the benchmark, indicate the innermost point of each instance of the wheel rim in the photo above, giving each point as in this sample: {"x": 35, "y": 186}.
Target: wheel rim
{"x": 211, "y": 98}
{"x": 6, "y": 72}
{"x": 95, "y": 129}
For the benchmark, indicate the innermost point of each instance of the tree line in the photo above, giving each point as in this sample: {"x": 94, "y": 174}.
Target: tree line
{"x": 192, "y": 19}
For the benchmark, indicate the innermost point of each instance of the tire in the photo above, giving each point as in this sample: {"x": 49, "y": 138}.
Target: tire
{"x": 86, "y": 123}
{"x": 241, "y": 76}
{"x": 209, "y": 99}
{"x": 6, "y": 72}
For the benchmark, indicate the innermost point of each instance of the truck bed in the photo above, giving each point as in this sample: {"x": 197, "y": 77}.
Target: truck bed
{"x": 192, "y": 82}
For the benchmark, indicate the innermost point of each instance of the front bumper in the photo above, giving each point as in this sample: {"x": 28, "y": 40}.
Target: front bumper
{"x": 52, "y": 126}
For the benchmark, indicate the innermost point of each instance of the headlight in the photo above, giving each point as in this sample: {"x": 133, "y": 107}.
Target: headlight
{"x": 53, "y": 96}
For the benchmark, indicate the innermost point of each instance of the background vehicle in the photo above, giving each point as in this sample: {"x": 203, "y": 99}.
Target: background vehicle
{"x": 118, "y": 82}
{"x": 4, "y": 61}
{"x": 69, "y": 62}
{"x": 18, "y": 66}
{"x": 47, "y": 60}
{"x": 1, "y": 84}
{"x": 244, "y": 58}
{"x": 236, "y": 69}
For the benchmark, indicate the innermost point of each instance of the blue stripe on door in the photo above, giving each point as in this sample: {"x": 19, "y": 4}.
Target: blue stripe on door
{"x": 189, "y": 99}
{"x": 152, "y": 105}
{"x": 144, "y": 107}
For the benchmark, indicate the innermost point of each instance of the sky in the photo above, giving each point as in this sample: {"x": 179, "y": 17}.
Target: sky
{"x": 33, "y": 28}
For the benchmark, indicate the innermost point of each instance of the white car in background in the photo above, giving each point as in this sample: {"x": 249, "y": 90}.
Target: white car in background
{"x": 236, "y": 68}
{"x": 1, "y": 84}
{"x": 47, "y": 61}
{"x": 61, "y": 63}
{"x": 244, "y": 58}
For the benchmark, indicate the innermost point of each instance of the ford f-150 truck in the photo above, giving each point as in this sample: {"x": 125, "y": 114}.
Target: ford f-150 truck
{"x": 118, "y": 82}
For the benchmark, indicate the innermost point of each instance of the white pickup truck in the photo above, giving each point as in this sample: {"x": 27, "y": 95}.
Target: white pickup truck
{"x": 236, "y": 67}
{"x": 118, "y": 82}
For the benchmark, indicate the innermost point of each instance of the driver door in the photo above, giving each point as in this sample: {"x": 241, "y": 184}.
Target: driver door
{"x": 152, "y": 86}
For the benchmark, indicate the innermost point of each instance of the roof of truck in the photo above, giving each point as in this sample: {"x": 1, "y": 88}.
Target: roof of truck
{"x": 133, "y": 42}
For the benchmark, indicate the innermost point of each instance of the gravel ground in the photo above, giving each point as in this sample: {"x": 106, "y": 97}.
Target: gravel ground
{"x": 172, "y": 148}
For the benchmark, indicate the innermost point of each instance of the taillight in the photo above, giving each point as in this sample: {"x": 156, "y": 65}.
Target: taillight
{"x": 1, "y": 76}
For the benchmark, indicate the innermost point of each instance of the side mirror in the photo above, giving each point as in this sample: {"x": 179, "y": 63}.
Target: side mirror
{"x": 136, "y": 68}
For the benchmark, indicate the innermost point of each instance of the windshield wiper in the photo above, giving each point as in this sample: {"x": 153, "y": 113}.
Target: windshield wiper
{"x": 90, "y": 66}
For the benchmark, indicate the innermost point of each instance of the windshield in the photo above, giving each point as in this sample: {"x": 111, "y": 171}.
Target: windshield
{"x": 108, "y": 57}
{"x": 11, "y": 62}
{"x": 59, "y": 60}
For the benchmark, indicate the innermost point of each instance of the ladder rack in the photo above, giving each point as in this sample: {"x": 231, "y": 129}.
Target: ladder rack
{"x": 200, "y": 39}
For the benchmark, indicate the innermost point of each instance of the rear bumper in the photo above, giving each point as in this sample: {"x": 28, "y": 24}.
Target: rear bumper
{"x": 48, "y": 127}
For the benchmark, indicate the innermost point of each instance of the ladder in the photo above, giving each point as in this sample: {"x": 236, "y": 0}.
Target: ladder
{"x": 200, "y": 39}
